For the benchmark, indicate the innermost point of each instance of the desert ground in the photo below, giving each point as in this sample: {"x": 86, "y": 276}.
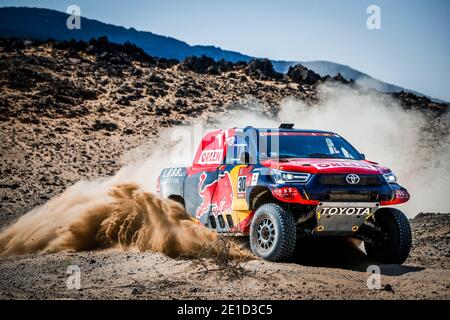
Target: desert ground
{"x": 70, "y": 111}
{"x": 333, "y": 271}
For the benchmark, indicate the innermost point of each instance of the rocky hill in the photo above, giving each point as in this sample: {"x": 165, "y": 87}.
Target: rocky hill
{"x": 42, "y": 24}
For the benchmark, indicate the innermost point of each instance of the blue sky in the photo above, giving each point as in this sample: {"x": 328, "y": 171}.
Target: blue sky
{"x": 411, "y": 49}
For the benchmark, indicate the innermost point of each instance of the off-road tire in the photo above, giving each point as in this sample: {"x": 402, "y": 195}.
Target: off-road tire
{"x": 283, "y": 244}
{"x": 396, "y": 243}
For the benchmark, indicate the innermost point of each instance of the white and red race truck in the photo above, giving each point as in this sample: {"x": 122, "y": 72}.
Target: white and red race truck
{"x": 277, "y": 185}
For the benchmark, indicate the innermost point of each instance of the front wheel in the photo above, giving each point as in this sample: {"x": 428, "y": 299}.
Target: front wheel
{"x": 272, "y": 233}
{"x": 394, "y": 241}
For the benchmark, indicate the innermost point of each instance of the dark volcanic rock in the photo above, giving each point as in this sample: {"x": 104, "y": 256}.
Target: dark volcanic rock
{"x": 300, "y": 74}
{"x": 206, "y": 65}
{"x": 117, "y": 53}
{"x": 105, "y": 125}
{"x": 340, "y": 78}
{"x": 25, "y": 78}
{"x": 412, "y": 101}
{"x": 262, "y": 69}
{"x": 164, "y": 63}
{"x": 200, "y": 65}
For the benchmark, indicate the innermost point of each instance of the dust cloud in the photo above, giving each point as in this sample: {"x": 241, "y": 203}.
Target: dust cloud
{"x": 83, "y": 219}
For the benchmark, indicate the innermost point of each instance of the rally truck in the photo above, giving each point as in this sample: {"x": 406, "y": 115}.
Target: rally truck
{"x": 278, "y": 185}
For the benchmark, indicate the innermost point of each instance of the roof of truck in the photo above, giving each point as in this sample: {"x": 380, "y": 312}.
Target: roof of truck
{"x": 289, "y": 130}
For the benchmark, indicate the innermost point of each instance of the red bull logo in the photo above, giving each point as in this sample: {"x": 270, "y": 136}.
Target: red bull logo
{"x": 217, "y": 197}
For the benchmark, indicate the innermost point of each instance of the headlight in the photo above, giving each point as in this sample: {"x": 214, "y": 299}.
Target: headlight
{"x": 282, "y": 176}
{"x": 390, "y": 177}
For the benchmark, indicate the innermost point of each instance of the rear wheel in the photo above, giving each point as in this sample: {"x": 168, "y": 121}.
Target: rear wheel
{"x": 272, "y": 233}
{"x": 394, "y": 242}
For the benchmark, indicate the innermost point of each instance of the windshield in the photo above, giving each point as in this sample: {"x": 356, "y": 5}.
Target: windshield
{"x": 297, "y": 144}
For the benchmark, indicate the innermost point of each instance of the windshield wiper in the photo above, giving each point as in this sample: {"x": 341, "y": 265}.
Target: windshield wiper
{"x": 288, "y": 155}
{"x": 323, "y": 155}
{"x": 310, "y": 155}
{"x": 284, "y": 156}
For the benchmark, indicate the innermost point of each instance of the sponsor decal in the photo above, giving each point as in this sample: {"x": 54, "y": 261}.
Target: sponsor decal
{"x": 345, "y": 211}
{"x": 217, "y": 196}
{"x": 343, "y": 164}
{"x": 213, "y": 156}
{"x": 172, "y": 172}
{"x": 255, "y": 177}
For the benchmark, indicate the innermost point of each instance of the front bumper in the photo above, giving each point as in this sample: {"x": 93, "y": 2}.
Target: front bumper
{"x": 315, "y": 191}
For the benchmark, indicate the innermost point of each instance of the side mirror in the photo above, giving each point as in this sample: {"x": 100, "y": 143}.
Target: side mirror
{"x": 363, "y": 156}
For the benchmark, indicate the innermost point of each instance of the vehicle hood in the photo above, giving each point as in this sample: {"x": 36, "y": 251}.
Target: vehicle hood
{"x": 326, "y": 166}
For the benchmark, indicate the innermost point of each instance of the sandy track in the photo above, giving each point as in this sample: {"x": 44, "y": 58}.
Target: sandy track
{"x": 125, "y": 275}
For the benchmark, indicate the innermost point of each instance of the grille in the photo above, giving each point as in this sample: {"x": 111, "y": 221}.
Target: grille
{"x": 367, "y": 180}
{"x": 353, "y": 197}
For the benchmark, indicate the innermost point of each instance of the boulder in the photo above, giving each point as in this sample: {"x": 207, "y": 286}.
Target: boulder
{"x": 105, "y": 125}
{"x": 201, "y": 64}
{"x": 262, "y": 69}
{"x": 300, "y": 74}
{"x": 340, "y": 78}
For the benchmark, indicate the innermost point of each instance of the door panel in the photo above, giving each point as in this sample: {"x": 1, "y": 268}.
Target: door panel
{"x": 199, "y": 188}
